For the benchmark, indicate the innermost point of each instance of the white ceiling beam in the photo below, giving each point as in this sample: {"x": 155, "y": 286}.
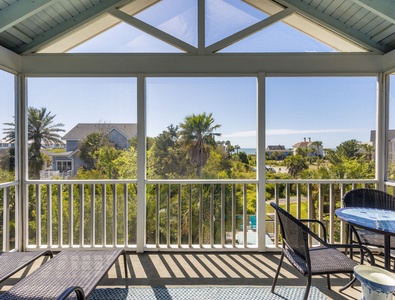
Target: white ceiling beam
{"x": 335, "y": 25}
{"x": 383, "y": 8}
{"x": 21, "y": 10}
{"x": 201, "y": 17}
{"x": 249, "y": 30}
{"x": 69, "y": 25}
{"x": 163, "y": 36}
{"x": 174, "y": 64}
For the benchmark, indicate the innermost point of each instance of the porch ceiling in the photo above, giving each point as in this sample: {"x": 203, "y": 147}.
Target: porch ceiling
{"x": 55, "y": 26}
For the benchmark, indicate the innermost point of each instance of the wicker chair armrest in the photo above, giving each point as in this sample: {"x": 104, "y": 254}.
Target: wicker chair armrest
{"x": 355, "y": 246}
{"x": 73, "y": 289}
{"x": 324, "y": 233}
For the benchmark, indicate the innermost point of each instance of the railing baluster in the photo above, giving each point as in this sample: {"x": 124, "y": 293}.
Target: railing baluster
{"x": 125, "y": 216}
{"x": 298, "y": 201}
{"x": 245, "y": 217}
{"x": 6, "y": 219}
{"x": 104, "y": 214}
{"x": 60, "y": 216}
{"x": 49, "y": 215}
{"x": 168, "y": 216}
{"x": 82, "y": 215}
{"x": 114, "y": 215}
{"x": 223, "y": 212}
{"x": 71, "y": 216}
{"x": 331, "y": 213}
{"x": 201, "y": 216}
{"x": 93, "y": 215}
{"x": 212, "y": 215}
{"x": 179, "y": 216}
{"x": 38, "y": 215}
{"x": 233, "y": 219}
{"x": 190, "y": 217}
{"x": 157, "y": 223}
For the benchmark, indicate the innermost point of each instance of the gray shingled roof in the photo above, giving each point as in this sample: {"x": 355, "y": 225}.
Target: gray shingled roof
{"x": 81, "y": 130}
{"x": 391, "y": 135}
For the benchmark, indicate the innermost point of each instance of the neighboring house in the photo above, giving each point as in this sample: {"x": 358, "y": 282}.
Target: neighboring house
{"x": 391, "y": 143}
{"x": 69, "y": 161}
{"x": 308, "y": 145}
{"x": 277, "y": 152}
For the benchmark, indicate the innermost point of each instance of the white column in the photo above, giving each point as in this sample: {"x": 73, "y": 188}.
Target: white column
{"x": 261, "y": 163}
{"x": 141, "y": 163}
{"x": 381, "y": 130}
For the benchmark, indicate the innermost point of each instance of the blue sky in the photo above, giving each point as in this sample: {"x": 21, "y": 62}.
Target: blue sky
{"x": 326, "y": 109}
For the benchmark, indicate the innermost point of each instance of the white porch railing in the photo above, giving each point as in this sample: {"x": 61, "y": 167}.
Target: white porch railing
{"x": 180, "y": 215}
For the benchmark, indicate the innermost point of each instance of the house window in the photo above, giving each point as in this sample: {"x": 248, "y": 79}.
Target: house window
{"x": 63, "y": 166}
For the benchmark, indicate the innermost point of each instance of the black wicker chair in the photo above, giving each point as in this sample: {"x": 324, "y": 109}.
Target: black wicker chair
{"x": 369, "y": 198}
{"x": 309, "y": 261}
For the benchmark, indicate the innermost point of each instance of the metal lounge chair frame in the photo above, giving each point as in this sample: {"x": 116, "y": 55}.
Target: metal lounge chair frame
{"x": 12, "y": 262}
{"x": 325, "y": 259}
{"x": 369, "y": 198}
{"x": 70, "y": 271}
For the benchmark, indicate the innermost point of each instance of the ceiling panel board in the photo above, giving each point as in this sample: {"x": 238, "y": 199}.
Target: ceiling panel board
{"x": 342, "y": 9}
{"x": 47, "y": 19}
{"x": 360, "y": 14}
{"x": 78, "y": 5}
{"x": 364, "y": 20}
{"x": 369, "y": 27}
{"x": 62, "y": 11}
{"x": 349, "y": 13}
{"x": 53, "y": 14}
{"x": 32, "y": 26}
{"x": 69, "y": 8}
{"x": 333, "y": 6}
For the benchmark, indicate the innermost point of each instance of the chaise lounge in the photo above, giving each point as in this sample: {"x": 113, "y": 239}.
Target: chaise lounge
{"x": 70, "y": 271}
{"x": 12, "y": 262}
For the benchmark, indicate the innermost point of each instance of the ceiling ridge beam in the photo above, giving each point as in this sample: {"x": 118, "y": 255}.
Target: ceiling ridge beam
{"x": 69, "y": 25}
{"x": 333, "y": 24}
{"x": 153, "y": 31}
{"x": 383, "y": 8}
{"x": 249, "y": 30}
{"x": 21, "y": 10}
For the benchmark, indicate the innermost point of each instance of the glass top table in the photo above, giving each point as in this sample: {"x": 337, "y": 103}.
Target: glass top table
{"x": 377, "y": 220}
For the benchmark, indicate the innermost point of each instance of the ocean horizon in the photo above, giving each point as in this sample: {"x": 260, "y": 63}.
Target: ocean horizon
{"x": 248, "y": 151}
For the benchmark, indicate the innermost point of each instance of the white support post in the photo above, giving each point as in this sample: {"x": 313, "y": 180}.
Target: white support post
{"x": 261, "y": 164}
{"x": 381, "y": 130}
{"x": 21, "y": 163}
{"x": 141, "y": 163}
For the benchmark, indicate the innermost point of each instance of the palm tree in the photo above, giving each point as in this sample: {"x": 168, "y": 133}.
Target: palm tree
{"x": 40, "y": 130}
{"x": 295, "y": 164}
{"x": 197, "y": 132}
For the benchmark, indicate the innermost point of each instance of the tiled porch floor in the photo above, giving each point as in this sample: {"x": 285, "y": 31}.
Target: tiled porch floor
{"x": 203, "y": 269}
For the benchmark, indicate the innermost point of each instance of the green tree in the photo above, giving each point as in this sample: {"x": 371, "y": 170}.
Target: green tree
{"x": 169, "y": 159}
{"x": 41, "y": 130}
{"x": 369, "y": 151}
{"x": 197, "y": 133}
{"x": 349, "y": 149}
{"x": 106, "y": 161}
{"x": 296, "y": 164}
{"x": 89, "y": 146}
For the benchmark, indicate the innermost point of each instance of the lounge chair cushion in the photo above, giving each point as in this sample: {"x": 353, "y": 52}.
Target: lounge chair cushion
{"x": 84, "y": 268}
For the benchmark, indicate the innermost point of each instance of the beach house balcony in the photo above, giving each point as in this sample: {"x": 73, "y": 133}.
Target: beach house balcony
{"x": 65, "y": 57}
